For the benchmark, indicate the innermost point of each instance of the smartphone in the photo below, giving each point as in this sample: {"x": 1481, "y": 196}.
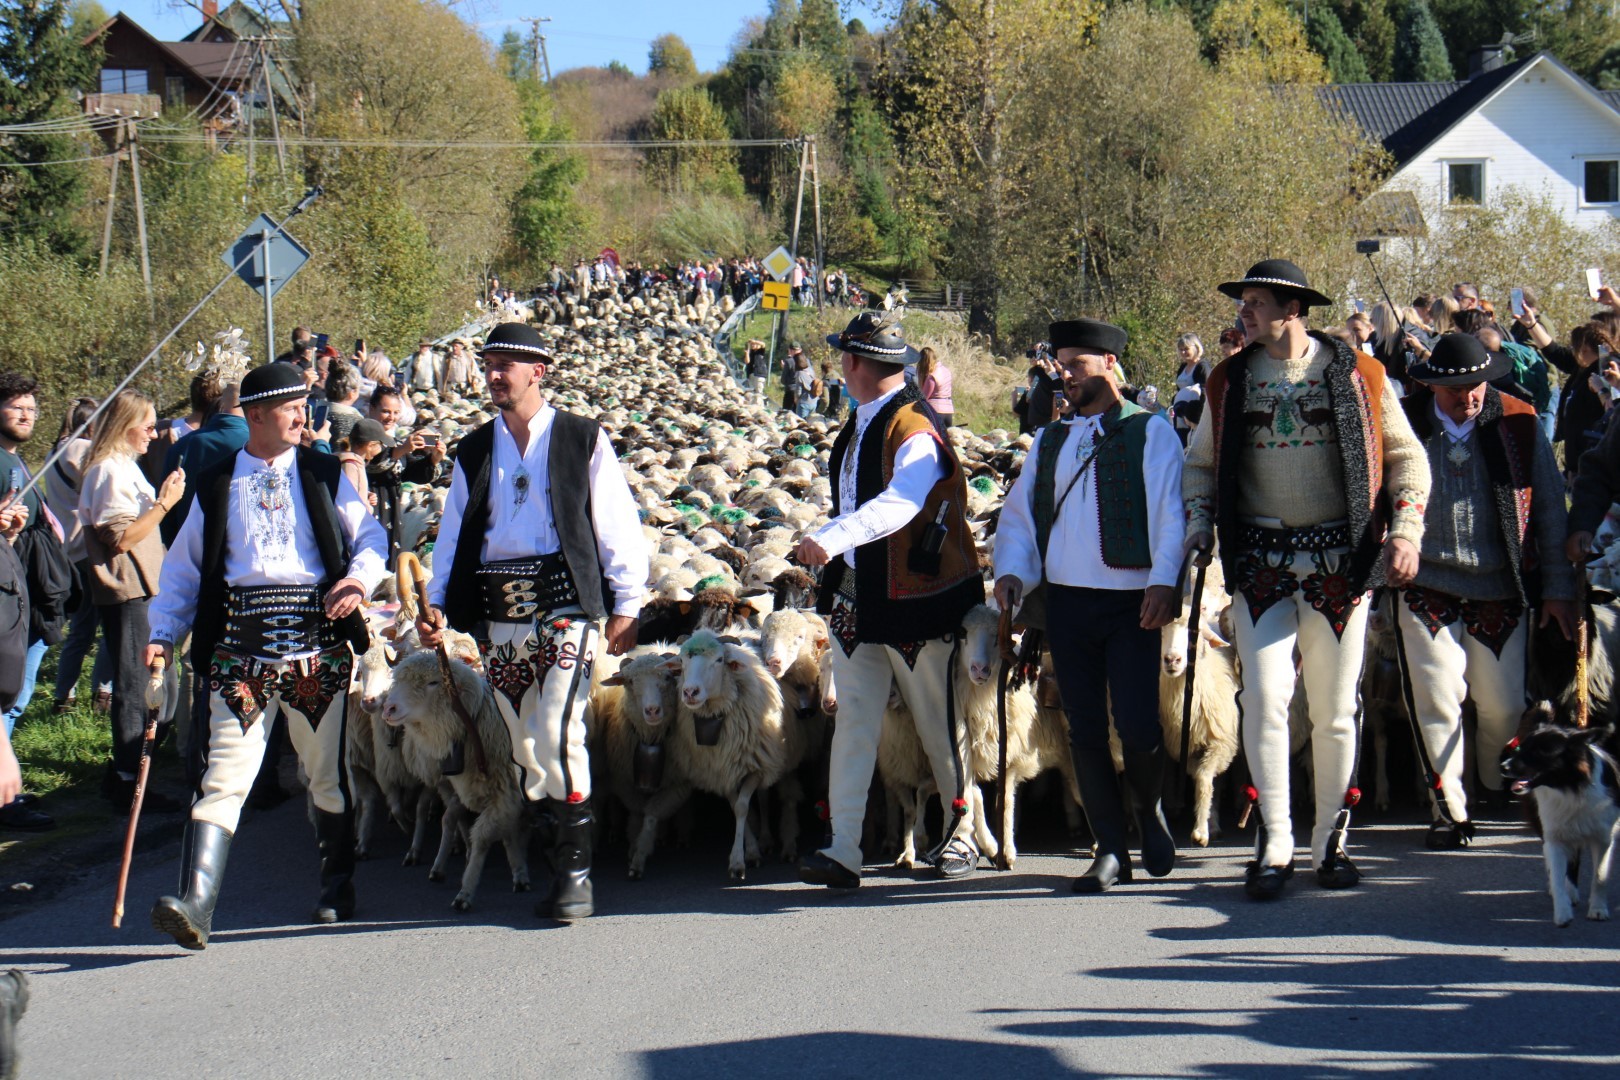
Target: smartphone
{"x": 321, "y": 341}
{"x": 318, "y": 411}
{"x": 359, "y": 345}
{"x": 1516, "y": 299}
{"x": 1361, "y": 307}
{"x": 431, "y": 438}
{"x": 14, "y": 483}
{"x": 1594, "y": 282}
{"x": 399, "y": 381}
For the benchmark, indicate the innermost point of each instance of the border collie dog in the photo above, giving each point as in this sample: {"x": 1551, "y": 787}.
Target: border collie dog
{"x": 1573, "y": 784}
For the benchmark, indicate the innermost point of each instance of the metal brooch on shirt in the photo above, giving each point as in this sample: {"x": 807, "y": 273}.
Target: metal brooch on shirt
{"x": 1459, "y": 454}
{"x": 520, "y": 484}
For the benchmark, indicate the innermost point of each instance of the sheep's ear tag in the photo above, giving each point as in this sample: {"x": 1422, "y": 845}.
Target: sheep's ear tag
{"x": 455, "y": 763}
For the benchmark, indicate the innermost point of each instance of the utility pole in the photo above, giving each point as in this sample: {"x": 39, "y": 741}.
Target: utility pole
{"x": 128, "y": 110}
{"x": 815, "y": 189}
{"x": 542, "y": 62}
{"x": 793, "y": 247}
{"x": 270, "y": 103}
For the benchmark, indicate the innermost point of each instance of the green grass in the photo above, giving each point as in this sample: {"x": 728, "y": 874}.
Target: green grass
{"x": 64, "y": 751}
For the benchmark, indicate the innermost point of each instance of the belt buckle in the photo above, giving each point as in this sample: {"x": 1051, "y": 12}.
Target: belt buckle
{"x": 522, "y": 610}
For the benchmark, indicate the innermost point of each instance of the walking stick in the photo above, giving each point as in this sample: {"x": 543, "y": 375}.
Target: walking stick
{"x": 1198, "y": 560}
{"x": 1008, "y": 660}
{"x": 1431, "y": 777}
{"x": 154, "y": 707}
{"x": 419, "y": 584}
{"x": 1583, "y": 691}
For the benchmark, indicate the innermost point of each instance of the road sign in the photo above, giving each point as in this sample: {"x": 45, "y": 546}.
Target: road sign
{"x": 284, "y": 255}
{"x": 774, "y": 296}
{"x": 778, "y": 263}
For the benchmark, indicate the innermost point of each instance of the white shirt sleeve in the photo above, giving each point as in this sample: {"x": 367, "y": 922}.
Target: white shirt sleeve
{"x": 620, "y": 545}
{"x": 1016, "y": 550}
{"x": 917, "y": 468}
{"x": 444, "y": 548}
{"x": 174, "y": 608}
{"x": 368, "y": 543}
{"x": 1162, "y": 458}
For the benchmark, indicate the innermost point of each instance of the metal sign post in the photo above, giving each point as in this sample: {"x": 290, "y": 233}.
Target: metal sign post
{"x": 268, "y": 273}
{"x": 266, "y": 257}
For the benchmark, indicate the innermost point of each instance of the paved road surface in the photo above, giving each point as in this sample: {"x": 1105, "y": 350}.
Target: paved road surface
{"x": 1440, "y": 965}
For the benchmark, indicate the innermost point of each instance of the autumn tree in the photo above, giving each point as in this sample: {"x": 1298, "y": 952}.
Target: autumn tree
{"x": 689, "y": 114}
{"x": 670, "y": 56}
{"x": 1420, "y": 49}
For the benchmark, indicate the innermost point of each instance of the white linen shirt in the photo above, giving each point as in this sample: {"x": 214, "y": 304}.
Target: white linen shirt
{"x": 1074, "y": 550}
{"x": 1457, "y": 432}
{"x": 519, "y": 530}
{"x": 259, "y": 549}
{"x": 918, "y": 466}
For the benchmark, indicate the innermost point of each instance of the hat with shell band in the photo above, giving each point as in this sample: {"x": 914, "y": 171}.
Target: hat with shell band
{"x": 1283, "y": 278}
{"x": 1460, "y": 360}
{"x": 272, "y": 384}
{"x": 521, "y": 340}
{"x": 875, "y": 336}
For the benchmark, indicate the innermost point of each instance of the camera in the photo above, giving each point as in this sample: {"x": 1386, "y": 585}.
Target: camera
{"x": 1367, "y": 247}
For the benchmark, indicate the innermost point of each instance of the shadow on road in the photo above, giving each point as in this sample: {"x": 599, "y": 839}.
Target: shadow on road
{"x": 857, "y": 1055}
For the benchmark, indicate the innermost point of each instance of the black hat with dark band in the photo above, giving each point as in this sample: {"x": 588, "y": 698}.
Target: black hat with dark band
{"x": 272, "y": 384}
{"x": 1091, "y": 335}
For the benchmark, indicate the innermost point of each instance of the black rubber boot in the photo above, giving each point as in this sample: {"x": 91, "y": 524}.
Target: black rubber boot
{"x": 190, "y": 916}
{"x": 1144, "y": 772}
{"x": 13, "y": 1003}
{"x": 570, "y": 895}
{"x": 335, "y": 833}
{"x": 1105, "y": 810}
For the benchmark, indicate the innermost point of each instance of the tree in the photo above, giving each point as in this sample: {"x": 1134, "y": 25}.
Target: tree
{"x": 1372, "y": 27}
{"x": 1261, "y": 41}
{"x": 1326, "y": 35}
{"x": 1420, "y": 50}
{"x": 40, "y": 65}
{"x": 684, "y": 114}
{"x": 547, "y": 219}
{"x": 671, "y": 56}
{"x": 804, "y": 100}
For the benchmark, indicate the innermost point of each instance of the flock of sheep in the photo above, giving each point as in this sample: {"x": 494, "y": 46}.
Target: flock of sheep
{"x": 731, "y": 691}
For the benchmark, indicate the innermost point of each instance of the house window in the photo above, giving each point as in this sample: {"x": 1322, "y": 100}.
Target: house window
{"x": 123, "y": 80}
{"x": 1465, "y": 183}
{"x": 1602, "y": 181}
{"x": 174, "y": 90}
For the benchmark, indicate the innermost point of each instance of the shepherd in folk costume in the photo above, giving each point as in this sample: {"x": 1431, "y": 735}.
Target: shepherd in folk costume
{"x": 901, "y": 572}
{"x": 1308, "y": 473}
{"x": 1096, "y": 513}
{"x": 1493, "y": 547}
{"x": 268, "y": 572}
{"x": 539, "y": 542}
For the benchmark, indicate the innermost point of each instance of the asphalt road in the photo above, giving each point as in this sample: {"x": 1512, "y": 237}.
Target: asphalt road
{"x": 1441, "y": 964}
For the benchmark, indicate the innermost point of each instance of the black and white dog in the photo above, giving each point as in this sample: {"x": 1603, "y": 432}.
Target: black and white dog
{"x": 1573, "y": 782}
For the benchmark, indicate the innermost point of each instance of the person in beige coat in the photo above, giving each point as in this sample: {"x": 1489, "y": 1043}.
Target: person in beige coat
{"x": 120, "y": 513}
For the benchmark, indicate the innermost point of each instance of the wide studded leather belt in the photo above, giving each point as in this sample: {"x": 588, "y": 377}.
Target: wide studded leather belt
{"x": 517, "y": 590}
{"x": 1308, "y": 538}
{"x": 277, "y": 621}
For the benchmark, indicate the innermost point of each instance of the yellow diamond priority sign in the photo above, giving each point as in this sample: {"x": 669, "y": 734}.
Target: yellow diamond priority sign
{"x": 778, "y": 263}
{"x": 775, "y": 296}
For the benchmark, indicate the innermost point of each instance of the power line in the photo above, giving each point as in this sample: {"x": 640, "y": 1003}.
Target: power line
{"x": 444, "y": 144}
{"x": 55, "y": 161}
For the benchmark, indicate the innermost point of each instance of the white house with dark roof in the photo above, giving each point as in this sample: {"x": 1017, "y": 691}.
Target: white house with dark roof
{"x": 1532, "y": 124}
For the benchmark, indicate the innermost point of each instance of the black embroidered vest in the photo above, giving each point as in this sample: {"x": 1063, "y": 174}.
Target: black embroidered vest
{"x": 573, "y": 439}
{"x": 318, "y": 475}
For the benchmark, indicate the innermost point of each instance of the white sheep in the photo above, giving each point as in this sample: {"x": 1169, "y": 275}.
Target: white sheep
{"x": 794, "y": 646}
{"x": 907, "y": 775}
{"x": 638, "y": 705}
{"x": 727, "y": 693}
{"x": 418, "y": 703}
{"x": 409, "y": 799}
{"x": 1213, "y": 732}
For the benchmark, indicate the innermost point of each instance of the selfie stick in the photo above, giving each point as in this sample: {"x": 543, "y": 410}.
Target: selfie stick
{"x": 303, "y": 204}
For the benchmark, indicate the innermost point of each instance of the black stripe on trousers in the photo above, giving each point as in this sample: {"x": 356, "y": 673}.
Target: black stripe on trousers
{"x": 581, "y": 668}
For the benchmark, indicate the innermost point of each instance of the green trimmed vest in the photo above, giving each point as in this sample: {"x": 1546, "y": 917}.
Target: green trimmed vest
{"x": 1121, "y": 492}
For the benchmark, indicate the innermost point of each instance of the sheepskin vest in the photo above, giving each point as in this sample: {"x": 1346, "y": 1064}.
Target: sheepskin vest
{"x": 895, "y": 603}
{"x": 1121, "y": 491}
{"x": 1355, "y": 384}
{"x": 318, "y": 475}
{"x": 573, "y": 439}
{"x": 1508, "y": 430}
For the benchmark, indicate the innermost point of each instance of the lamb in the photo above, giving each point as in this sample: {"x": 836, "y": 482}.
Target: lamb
{"x": 1213, "y": 735}
{"x": 727, "y": 693}
{"x": 635, "y": 706}
{"x": 417, "y": 703}
{"x": 1037, "y": 740}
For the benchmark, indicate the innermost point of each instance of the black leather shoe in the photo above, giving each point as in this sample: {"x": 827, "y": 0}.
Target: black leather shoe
{"x": 571, "y": 896}
{"x": 189, "y": 917}
{"x": 24, "y": 818}
{"x": 818, "y": 869}
{"x": 1338, "y": 872}
{"x": 1444, "y": 836}
{"x": 1266, "y": 882}
{"x": 13, "y": 1003}
{"x": 958, "y": 860}
{"x": 335, "y": 833}
{"x": 1104, "y": 873}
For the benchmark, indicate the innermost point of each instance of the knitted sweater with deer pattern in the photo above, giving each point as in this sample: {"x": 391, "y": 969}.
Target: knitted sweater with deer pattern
{"x": 1292, "y": 471}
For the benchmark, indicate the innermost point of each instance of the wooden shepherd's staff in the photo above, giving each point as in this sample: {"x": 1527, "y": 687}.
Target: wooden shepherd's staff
{"x": 154, "y": 709}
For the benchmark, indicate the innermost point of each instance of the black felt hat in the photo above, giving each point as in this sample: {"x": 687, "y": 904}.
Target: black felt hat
{"x": 272, "y": 383}
{"x": 1460, "y": 360}
{"x": 1282, "y": 277}
{"x": 517, "y": 338}
{"x": 1092, "y": 335}
{"x": 875, "y": 336}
